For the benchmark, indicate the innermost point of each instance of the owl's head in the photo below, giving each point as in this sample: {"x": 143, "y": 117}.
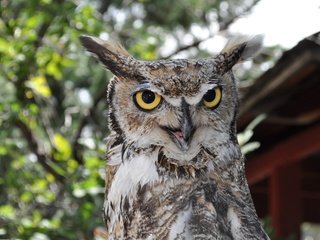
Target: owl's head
{"x": 181, "y": 105}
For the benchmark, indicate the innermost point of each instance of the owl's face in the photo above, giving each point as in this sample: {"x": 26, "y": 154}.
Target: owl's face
{"x": 182, "y": 106}
{"x": 178, "y": 105}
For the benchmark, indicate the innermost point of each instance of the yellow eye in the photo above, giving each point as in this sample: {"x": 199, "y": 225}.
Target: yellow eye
{"x": 147, "y": 100}
{"x": 212, "y": 98}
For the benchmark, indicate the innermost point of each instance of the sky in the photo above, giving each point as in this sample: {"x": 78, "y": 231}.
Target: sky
{"x": 283, "y": 22}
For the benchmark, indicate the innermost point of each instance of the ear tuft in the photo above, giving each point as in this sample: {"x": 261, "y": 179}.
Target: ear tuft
{"x": 238, "y": 50}
{"x": 92, "y": 44}
{"x": 111, "y": 54}
{"x": 248, "y": 47}
{"x": 252, "y": 47}
{"x": 96, "y": 46}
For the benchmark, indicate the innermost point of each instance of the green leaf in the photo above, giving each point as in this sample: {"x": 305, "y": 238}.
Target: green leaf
{"x": 53, "y": 67}
{"x": 72, "y": 165}
{"x": 3, "y": 150}
{"x": 32, "y": 21}
{"x": 7, "y": 211}
{"x": 86, "y": 210}
{"x": 39, "y": 85}
{"x": 93, "y": 162}
{"x": 4, "y": 46}
{"x": 63, "y": 146}
{"x": 26, "y": 197}
{"x": 57, "y": 168}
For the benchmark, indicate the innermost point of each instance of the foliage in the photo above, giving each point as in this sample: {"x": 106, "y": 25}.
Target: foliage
{"x": 247, "y": 133}
{"x": 52, "y": 108}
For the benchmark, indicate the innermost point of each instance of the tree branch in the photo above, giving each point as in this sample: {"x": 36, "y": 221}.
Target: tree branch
{"x": 41, "y": 33}
{"x": 34, "y": 147}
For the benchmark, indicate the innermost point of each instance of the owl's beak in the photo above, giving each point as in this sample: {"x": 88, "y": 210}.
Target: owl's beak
{"x": 186, "y": 122}
{"x": 182, "y": 136}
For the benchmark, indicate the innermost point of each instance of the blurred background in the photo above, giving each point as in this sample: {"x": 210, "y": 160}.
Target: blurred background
{"x": 53, "y": 105}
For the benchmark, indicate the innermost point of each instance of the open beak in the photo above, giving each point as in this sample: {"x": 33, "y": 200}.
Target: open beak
{"x": 182, "y": 136}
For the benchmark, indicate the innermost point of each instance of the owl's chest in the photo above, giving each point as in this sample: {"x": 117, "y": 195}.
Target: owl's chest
{"x": 186, "y": 211}
{"x": 183, "y": 209}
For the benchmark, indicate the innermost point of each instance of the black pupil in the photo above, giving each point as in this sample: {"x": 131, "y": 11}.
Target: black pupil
{"x": 210, "y": 95}
{"x": 148, "y": 97}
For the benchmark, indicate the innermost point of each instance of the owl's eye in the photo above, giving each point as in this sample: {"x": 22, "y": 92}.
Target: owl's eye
{"x": 146, "y": 100}
{"x": 212, "y": 98}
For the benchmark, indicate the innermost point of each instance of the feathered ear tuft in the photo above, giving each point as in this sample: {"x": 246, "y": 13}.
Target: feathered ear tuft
{"x": 238, "y": 50}
{"x": 111, "y": 54}
{"x": 97, "y": 45}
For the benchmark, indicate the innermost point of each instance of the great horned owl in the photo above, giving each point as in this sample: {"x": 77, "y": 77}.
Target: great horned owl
{"x": 175, "y": 169}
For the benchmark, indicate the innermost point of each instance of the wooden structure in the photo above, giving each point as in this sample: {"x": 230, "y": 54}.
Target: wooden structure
{"x": 284, "y": 173}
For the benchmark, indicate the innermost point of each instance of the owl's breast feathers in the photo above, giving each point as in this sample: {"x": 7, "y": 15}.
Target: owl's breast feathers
{"x": 168, "y": 201}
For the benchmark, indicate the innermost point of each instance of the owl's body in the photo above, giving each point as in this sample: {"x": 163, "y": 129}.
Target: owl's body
{"x": 175, "y": 169}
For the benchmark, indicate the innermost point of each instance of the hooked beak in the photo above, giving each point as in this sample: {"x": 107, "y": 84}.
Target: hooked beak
{"x": 182, "y": 136}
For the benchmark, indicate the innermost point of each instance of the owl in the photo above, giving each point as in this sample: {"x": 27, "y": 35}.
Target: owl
{"x": 175, "y": 169}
